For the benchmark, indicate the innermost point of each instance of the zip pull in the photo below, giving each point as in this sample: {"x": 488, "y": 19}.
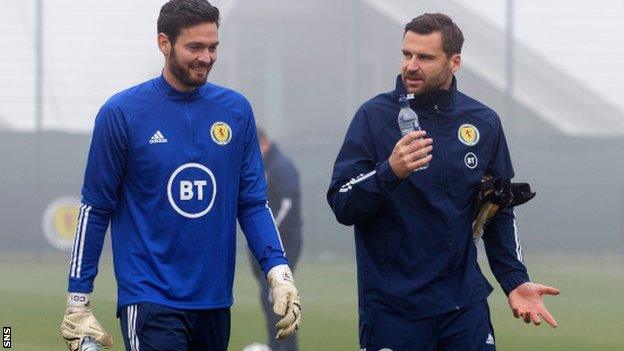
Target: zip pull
{"x": 435, "y": 107}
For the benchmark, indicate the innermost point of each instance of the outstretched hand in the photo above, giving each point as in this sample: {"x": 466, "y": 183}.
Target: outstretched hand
{"x": 526, "y": 302}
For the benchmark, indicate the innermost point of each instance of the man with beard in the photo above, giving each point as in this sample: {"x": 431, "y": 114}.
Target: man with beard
{"x": 173, "y": 163}
{"x": 419, "y": 284}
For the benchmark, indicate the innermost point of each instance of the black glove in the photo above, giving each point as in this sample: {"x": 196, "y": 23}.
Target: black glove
{"x": 496, "y": 194}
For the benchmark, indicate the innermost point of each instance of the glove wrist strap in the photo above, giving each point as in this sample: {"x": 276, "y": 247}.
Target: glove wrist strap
{"x": 280, "y": 273}
{"x": 78, "y": 299}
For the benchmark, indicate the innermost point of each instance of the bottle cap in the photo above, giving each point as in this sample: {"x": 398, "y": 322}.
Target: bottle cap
{"x": 403, "y": 101}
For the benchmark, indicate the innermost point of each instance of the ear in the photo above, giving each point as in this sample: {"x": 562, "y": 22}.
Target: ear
{"x": 455, "y": 62}
{"x": 164, "y": 45}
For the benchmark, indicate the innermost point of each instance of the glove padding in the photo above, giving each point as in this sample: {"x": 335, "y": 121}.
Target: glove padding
{"x": 494, "y": 195}
{"x": 79, "y": 323}
{"x": 285, "y": 300}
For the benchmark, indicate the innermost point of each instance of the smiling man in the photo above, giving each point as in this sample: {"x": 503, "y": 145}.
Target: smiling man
{"x": 173, "y": 163}
{"x": 420, "y": 287}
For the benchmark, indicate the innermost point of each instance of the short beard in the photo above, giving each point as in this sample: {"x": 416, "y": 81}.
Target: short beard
{"x": 182, "y": 73}
{"x": 432, "y": 84}
{"x": 438, "y": 83}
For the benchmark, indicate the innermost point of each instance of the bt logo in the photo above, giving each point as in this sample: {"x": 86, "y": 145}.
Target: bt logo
{"x": 191, "y": 190}
{"x": 471, "y": 160}
{"x": 186, "y": 189}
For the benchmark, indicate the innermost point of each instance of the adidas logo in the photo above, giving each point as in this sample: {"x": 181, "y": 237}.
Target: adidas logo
{"x": 157, "y": 138}
{"x": 489, "y": 340}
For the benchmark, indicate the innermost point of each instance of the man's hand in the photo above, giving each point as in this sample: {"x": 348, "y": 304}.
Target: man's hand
{"x": 285, "y": 300}
{"x": 79, "y": 323}
{"x": 410, "y": 153}
{"x": 526, "y": 302}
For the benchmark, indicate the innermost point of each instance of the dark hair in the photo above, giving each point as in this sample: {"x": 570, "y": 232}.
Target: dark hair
{"x": 452, "y": 37}
{"x": 178, "y": 14}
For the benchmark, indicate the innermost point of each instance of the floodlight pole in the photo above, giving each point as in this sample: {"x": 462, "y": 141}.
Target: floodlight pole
{"x": 38, "y": 159}
{"x": 38, "y": 66}
{"x": 509, "y": 67}
{"x": 353, "y": 66}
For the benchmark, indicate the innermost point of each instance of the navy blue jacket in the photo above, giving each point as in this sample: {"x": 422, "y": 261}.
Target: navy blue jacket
{"x": 284, "y": 195}
{"x": 415, "y": 254}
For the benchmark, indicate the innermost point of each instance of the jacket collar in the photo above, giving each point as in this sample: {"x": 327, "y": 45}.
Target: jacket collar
{"x": 443, "y": 99}
{"x": 163, "y": 86}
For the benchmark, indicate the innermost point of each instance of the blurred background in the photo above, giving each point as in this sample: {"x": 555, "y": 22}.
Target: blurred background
{"x": 551, "y": 70}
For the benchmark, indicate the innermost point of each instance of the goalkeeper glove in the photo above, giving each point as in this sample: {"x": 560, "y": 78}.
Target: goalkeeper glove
{"x": 285, "y": 300}
{"x": 494, "y": 195}
{"x": 79, "y": 323}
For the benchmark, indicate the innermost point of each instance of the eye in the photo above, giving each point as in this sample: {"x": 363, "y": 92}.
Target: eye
{"x": 407, "y": 55}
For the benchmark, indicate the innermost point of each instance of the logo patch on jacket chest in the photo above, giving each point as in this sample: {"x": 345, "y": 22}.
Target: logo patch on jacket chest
{"x": 468, "y": 134}
{"x": 221, "y": 133}
{"x": 471, "y": 160}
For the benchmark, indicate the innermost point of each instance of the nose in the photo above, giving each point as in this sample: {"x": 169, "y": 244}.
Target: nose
{"x": 413, "y": 64}
{"x": 206, "y": 56}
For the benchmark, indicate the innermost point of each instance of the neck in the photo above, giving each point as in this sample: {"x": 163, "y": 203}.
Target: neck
{"x": 447, "y": 85}
{"x": 175, "y": 82}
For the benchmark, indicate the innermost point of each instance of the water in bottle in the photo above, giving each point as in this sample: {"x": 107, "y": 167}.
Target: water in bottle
{"x": 408, "y": 120}
{"x": 89, "y": 344}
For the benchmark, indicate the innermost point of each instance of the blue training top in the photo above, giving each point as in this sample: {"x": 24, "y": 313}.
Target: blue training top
{"x": 172, "y": 172}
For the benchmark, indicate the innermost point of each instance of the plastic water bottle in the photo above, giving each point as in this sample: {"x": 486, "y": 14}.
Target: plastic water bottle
{"x": 89, "y": 344}
{"x": 408, "y": 120}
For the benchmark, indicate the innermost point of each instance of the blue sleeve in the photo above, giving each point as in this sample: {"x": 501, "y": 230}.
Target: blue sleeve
{"x": 500, "y": 237}
{"x": 254, "y": 215}
{"x": 100, "y": 194}
{"x": 360, "y": 182}
{"x": 107, "y": 159}
{"x": 87, "y": 248}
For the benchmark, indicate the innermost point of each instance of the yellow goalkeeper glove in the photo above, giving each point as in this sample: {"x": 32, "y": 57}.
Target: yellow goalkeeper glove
{"x": 285, "y": 300}
{"x": 79, "y": 322}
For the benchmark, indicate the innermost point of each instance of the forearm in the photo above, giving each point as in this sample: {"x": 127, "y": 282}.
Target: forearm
{"x": 258, "y": 225}
{"x": 87, "y": 248}
{"x": 361, "y": 197}
{"x": 502, "y": 245}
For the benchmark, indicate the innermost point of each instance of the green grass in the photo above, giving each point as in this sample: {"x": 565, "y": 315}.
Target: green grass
{"x": 590, "y": 309}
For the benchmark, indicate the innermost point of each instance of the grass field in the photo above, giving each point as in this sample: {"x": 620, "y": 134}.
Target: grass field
{"x": 590, "y": 309}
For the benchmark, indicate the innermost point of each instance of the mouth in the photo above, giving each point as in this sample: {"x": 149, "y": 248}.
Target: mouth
{"x": 199, "y": 69}
{"x": 414, "y": 80}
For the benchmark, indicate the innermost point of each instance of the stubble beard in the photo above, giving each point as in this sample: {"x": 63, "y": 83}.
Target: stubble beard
{"x": 183, "y": 73}
{"x": 430, "y": 84}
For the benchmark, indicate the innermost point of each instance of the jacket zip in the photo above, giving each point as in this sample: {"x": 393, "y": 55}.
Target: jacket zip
{"x": 190, "y": 119}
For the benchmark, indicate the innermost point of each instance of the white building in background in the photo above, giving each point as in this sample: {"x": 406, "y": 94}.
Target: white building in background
{"x": 91, "y": 49}
{"x": 566, "y": 57}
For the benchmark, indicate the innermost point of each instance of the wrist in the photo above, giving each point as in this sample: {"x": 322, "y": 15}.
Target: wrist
{"x": 279, "y": 274}
{"x": 509, "y": 282}
{"x": 386, "y": 176}
{"x": 75, "y": 299}
{"x": 395, "y": 169}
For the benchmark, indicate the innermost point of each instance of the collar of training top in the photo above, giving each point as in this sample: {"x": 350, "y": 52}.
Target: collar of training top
{"x": 172, "y": 93}
{"x": 441, "y": 98}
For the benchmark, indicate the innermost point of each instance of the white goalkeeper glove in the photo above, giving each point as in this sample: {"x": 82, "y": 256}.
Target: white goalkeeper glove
{"x": 285, "y": 300}
{"x": 79, "y": 323}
